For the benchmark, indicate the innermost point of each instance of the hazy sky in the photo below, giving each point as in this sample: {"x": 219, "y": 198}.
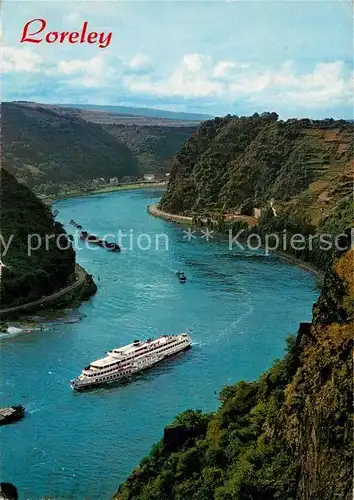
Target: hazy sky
{"x": 215, "y": 57}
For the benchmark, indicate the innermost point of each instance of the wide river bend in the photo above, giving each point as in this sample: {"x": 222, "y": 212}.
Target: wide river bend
{"x": 239, "y": 305}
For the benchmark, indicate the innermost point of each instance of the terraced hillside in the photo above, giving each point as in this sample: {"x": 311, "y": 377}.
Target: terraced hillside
{"x": 235, "y": 164}
{"x": 287, "y": 435}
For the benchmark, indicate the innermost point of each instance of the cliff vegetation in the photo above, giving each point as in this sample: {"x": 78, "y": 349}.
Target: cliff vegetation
{"x": 286, "y": 436}
{"x": 234, "y": 164}
{"x": 27, "y": 276}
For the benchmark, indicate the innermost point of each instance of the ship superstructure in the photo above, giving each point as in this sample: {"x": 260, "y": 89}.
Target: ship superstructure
{"x": 127, "y": 360}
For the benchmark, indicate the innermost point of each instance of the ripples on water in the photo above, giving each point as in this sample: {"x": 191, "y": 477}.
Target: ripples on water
{"x": 240, "y": 307}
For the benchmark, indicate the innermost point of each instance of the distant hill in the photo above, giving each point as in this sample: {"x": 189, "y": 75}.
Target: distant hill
{"x": 41, "y": 146}
{"x": 49, "y": 147}
{"x": 113, "y": 115}
{"x": 148, "y": 112}
{"x": 153, "y": 146}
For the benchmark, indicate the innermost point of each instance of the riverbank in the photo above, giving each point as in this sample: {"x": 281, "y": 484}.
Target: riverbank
{"x": 307, "y": 266}
{"x": 108, "y": 189}
{"x": 156, "y": 212}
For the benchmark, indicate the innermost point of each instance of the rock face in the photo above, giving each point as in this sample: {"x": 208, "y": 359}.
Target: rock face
{"x": 175, "y": 437}
{"x": 318, "y": 415}
{"x": 188, "y": 426}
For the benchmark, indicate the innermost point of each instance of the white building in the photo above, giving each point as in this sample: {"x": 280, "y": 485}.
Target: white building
{"x": 149, "y": 177}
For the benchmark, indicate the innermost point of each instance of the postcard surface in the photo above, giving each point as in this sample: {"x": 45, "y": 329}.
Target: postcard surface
{"x": 176, "y": 256}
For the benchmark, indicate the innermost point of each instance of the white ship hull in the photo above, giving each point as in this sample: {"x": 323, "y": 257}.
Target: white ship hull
{"x": 121, "y": 364}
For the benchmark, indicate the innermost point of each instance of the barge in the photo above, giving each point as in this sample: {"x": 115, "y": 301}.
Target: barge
{"x": 95, "y": 240}
{"x": 11, "y": 414}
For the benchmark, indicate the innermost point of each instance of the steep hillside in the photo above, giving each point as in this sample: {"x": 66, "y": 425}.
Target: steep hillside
{"x": 154, "y": 147}
{"x": 235, "y": 164}
{"x": 43, "y": 147}
{"x": 289, "y": 434}
{"x": 286, "y": 436}
{"x": 28, "y": 276}
{"x": 54, "y": 149}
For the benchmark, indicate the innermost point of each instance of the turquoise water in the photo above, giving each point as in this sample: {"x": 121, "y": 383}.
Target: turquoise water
{"x": 240, "y": 306}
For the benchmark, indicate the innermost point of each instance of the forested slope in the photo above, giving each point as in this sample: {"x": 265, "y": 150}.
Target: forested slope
{"x": 153, "y": 146}
{"x": 55, "y": 149}
{"x": 235, "y": 164}
{"x": 43, "y": 147}
{"x": 28, "y": 276}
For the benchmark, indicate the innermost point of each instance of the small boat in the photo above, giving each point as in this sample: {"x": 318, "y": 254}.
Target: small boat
{"x": 11, "y": 414}
{"x": 181, "y": 276}
{"x": 92, "y": 238}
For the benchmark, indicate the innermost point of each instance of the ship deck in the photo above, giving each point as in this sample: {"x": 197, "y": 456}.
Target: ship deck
{"x": 138, "y": 348}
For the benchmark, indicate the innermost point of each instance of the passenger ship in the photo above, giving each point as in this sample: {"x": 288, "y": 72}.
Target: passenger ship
{"x": 132, "y": 358}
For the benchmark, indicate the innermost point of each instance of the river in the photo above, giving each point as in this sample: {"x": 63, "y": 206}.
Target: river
{"x": 239, "y": 305}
